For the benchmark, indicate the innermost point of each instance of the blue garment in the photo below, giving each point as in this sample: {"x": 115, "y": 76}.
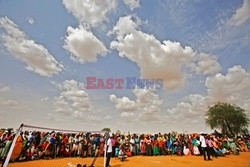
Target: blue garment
{"x": 116, "y": 151}
{"x": 52, "y": 140}
{"x": 248, "y": 145}
{"x": 96, "y": 140}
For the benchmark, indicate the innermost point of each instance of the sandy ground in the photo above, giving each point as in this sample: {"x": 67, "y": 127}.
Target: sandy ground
{"x": 243, "y": 160}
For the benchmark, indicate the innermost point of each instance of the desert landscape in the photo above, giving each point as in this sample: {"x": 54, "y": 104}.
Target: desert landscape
{"x": 242, "y": 160}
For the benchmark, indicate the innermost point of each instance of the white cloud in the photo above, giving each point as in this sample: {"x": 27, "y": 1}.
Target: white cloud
{"x": 72, "y": 102}
{"x": 4, "y": 88}
{"x": 92, "y": 12}
{"x": 241, "y": 15}
{"x": 126, "y": 25}
{"x": 194, "y": 109}
{"x": 158, "y": 59}
{"x": 73, "y": 95}
{"x": 234, "y": 87}
{"x": 147, "y": 100}
{"x": 83, "y": 45}
{"x": 123, "y": 104}
{"x": 127, "y": 115}
{"x": 62, "y": 106}
{"x": 107, "y": 117}
{"x": 30, "y": 20}
{"x": 206, "y": 64}
{"x": 132, "y": 3}
{"x": 37, "y": 58}
{"x": 147, "y": 105}
{"x": 94, "y": 118}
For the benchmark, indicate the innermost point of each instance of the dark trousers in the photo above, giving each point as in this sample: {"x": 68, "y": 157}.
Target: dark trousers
{"x": 212, "y": 152}
{"x": 113, "y": 151}
{"x": 206, "y": 152}
{"x": 160, "y": 151}
{"x": 108, "y": 159}
{"x": 200, "y": 150}
{"x": 148, "y": 150}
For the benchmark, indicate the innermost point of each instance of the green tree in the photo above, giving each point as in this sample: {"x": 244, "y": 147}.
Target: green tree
{"x": 106, "y": 129}
{"x": 231, "y": 119}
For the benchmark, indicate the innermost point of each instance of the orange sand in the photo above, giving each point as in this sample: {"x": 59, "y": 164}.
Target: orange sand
{"x": 243, "y": 160}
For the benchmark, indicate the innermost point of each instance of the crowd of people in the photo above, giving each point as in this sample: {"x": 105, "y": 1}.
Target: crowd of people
{"x": 49, "y": 145}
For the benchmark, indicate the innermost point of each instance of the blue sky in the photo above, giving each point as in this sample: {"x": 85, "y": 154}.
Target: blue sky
{"x": 48, "y": 48}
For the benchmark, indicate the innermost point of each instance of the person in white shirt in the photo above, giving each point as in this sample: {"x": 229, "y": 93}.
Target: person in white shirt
{"x": 109, "y": 150}
{"x": 204, "y": 147}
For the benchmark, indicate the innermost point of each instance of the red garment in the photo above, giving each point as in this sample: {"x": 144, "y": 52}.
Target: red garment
{"x": 113, "y": 141}
{"x": 161, "y": 143}
{"x": 143, "y": 147}
{"x": 65, "y": 140}
{"x": 45, "y": 145}
{"x": 128, "y": 153}
{"x": 155, "y": 143}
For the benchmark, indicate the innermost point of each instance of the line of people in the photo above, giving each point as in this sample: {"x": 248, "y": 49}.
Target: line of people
{"x": 40, "y": 145}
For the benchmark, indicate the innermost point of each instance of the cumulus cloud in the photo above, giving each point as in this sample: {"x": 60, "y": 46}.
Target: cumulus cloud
{"x": 234, "y": 87}
{"x": 126, "y": 25}
{"x": 92, "y": 12}
{"x": 147, "y": 100}
{"x": 74, "y": 103}
{"x": 132, "y": 4}
{"x": 62, "y": 106}
{"x": 241, "y": 15}
{"x": 83, "y": 45}
{"x": 37, "y": 58}
{"x": 193, "y": 109}
{"x": 123, "y": 104}
{"x": 3, "y": 88}
{"x": 71, "y": 102}
{"x": 127, "y": 115}
{"x": 206, "y": 64}
{"x": 146, "y": 106}
{"x": 156, "y": 59}
{"x": 73, "y": 97}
